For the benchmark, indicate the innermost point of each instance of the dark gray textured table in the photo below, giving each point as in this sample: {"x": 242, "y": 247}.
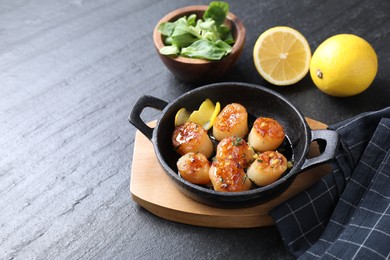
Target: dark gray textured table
{"x": 69, "y": 74}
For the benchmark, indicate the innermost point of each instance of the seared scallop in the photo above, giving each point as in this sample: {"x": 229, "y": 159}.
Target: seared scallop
{"x": 267, "y": 168}
{"x": 236, "y": 149}
{"x": 231, "y": 121}
{"x": 266, "y": 134}
{"x": 191, "y": 137}
{"x": 228, "y": 176}
{"x": 194, "y": 167}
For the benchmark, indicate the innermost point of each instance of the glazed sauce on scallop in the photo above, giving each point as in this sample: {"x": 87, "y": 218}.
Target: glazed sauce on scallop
{"x": 285, "y": 148}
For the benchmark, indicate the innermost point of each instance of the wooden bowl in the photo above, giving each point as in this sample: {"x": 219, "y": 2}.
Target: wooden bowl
{"x": 198, "y": 70}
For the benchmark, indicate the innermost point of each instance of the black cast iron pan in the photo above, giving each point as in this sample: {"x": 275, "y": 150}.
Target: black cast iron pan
{"x": 258, "y": 101}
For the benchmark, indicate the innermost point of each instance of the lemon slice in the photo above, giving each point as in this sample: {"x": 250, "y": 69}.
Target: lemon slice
{"x": 203, "y": 115}
{"x": 282, "y": 55}
{"x": 216, "y": 111}
{"x": 182, "y": 116}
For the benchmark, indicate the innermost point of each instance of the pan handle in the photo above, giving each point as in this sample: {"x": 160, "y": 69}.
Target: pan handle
{"x": 332, "y": 141}
{"x": 135, "y": 114}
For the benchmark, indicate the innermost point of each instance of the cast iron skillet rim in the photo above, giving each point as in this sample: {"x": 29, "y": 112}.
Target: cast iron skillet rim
{"x": 257, "y": 192}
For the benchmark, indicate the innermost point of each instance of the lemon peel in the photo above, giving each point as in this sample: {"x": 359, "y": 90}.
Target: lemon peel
{"x": 343, "y": 65}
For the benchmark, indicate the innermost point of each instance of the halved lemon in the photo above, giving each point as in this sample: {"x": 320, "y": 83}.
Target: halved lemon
{"x": 182, "y": 116}
{"x": 204, "y": 114}
{"x": 282, "y": 55}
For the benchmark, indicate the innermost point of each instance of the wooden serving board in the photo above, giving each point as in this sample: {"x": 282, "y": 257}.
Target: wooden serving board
{"x": 152, "y": 189}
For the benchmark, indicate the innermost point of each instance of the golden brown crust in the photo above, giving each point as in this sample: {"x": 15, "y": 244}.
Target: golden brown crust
{"x": 235, "y": 149}
{"x": 266, "y": 134}
{"x": 186, "y": 133}
{"x": 267, "y": 168}
{"x": 268, "y": 126}
{"x": 194, "y": 167}
{"x": 234, "y": 167}
{"x": 272, "y": 159}
{"x": 228, "y": 176}
{"x": 191, "y": 137}
{"x": 232, "y": 120}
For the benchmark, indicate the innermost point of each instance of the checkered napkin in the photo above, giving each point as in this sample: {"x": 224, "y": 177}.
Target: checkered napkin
{"x": 347, "y": 214}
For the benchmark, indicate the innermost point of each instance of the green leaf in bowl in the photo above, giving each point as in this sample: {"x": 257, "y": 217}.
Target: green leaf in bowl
{"x": 217, "y": 11}
{"x": 204, "y": 49}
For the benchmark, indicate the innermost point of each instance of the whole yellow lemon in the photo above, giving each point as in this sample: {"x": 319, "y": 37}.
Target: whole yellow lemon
{"x": 343, "y": 65}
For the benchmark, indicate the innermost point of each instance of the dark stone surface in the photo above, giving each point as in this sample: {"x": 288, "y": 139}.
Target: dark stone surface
{"x": 69, "y": 74}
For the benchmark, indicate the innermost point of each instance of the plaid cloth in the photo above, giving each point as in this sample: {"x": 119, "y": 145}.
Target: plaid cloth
{"x": 347, "y": 214}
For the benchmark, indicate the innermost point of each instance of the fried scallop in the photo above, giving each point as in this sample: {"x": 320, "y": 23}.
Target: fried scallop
{"x": 236, "y": 149}
{"x": 267, "y": 168}
{"x": 228, "y": 176}
{"x": 191, "y": 137}
{"x": 231, "y": 121}
{"x": 194, "y": 167}
{"x": 266, "y": 134}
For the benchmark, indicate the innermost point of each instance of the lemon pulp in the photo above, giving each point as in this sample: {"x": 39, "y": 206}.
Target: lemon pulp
{"x": 282, "y": 55}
